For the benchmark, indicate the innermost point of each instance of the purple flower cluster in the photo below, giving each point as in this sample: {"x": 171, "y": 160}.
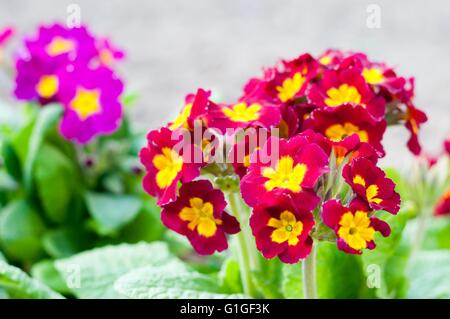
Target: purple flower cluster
{"x": 71, "y": 67}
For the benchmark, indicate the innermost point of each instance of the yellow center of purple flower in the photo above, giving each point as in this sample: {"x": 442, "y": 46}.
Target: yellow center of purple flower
{"x": 86, "y": 102}
{"x": 371, "y": 191}
{"x": 373, "y": 75}
{"x": 338, "y": 132}
{"x": 200, "y": 215}
{"x": 290, "y": 87}
{"x": 285, "y": 175}
{"x": 355, "y": 229}
{"x": 181, "y": 120}
{"x": 287, "y": 228}
{"x": 59, "y": 45}
{"x": 168, "y": 164}
{"x": 344, "y": 94}
{"x": 47, "y": 86}
{"x": 242, "y": 112}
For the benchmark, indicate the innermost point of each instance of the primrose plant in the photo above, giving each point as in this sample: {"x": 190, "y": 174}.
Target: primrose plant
{"x": 293, "y": 162}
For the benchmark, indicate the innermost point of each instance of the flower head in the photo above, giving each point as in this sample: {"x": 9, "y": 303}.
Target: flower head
{"x": 167, "y": 163}
{"x": 339, "y": 123}
{"x": 354, "y": 227}
{"x": 414, "y": 118}
{"x": 195, "y": 108}
{"x": 346, "y": 87}
{"x": 91, "y": 99}
{"x": 370, "y": 183}
{"x": 281, "y": 227}
{"x": 295, "y": 169}
{"x": 198, "y": 213}
{"x": 443, "y": 206}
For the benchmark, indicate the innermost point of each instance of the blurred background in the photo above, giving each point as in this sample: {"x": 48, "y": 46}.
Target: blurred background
{"x": 175, "y": 46}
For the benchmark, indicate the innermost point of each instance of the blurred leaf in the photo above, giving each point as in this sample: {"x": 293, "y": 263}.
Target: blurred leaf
{"x": 333, "y": 275}
{"x": 112, "y": 212}
{"x": 401, "y": 185}
{"x": 65, "y": 242}
{"x": 429, "y": 275}
{"x": 292, "y": 284}
{"x": 21, "y": 229}
{"x": 147, "y": 226}
{"x": 55, "y": 182}
{"x": 99, "y": 268}
{"x": 229, "y": 277}
{"x": 268, "y": 279}
{"x": 130, "y": 98}
{"x": 11, "y": 161}
{"x": 437, "y": 235}
{"x": 46, "y": 118}
{"x": 390, "y": 251}
{"x": 45, "y": 272}
{"x": 168, "y": 283}
{"x": 19, "y": 285}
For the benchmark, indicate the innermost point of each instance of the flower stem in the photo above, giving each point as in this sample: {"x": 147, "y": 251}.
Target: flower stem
{"x": 309, "y": 275}
{"x": 242, "y": 247}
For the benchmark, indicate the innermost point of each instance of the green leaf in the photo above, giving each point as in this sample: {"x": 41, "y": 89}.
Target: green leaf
{"x": 429, "y": 275}
{"x": 99, "y": 268}
{"x": 21, "y": 229}
{"x": 45, "y": 272}
{"x": 11, "y": 161}
{"x": 65, "y": 242}
{"x": 46, "y": 118}
{"x": 19, "y": 285}
{"x": 437, "y": 235}
{"x": 229, "y": 277}
{"x": 390, "y": 251}
{"x": 147, "y": 226}
{"x": 167, "y": 283}
{"x": 112, "y": 212}
{"x": 333, "y": 275}
{"x": 55, "y": 182}
{"x": 268, "y": 279}
{"x": 292, "y": 284}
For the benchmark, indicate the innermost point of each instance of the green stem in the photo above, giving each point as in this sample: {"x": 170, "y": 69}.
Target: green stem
{"x": 309, "y": 275}
{"x": 242, "y": 248}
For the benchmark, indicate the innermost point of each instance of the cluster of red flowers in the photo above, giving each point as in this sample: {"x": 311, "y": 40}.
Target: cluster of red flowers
{"x": 331, "y": 114}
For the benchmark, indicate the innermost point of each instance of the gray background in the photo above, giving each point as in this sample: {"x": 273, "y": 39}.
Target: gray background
{"x": 176, "y": 46}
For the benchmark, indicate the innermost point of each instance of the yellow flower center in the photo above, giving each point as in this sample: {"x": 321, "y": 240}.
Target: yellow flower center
{"x": 373, "y": 75}
{"x": 241, "y": 112}
{"x": 181, "y": 120}
{"x": 290, "y": 87}
{"x": 168, "y": 164}
{"x": 47, "y": 86}
{"x": 325, "y": 60}
{"x": 59, "y": 45}
{"x": 337, "y": 132}
{"x": 371, "y": 191}
{"x": 344, "y": 94}
{"x": 200, "y": 215}
{"x": 287, "y": 228}
{"x": 86, "y": 102}
{"x": 285, "y": 175}
{"x": 355, "y": 229}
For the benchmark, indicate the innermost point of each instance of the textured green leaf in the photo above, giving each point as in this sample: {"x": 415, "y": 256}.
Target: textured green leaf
{"x": 437, "y": 235}
{"x": 268, "y": 279}
{"x": 168, "y": 282}
{"x": 45, "y": 272}
{"x": 21, "y": 229}
{"x": 53, "y": 171}
{"x": 112, "y": 212}
{"x": 46, "y": 118}
{"x": 19, "y": 285}
{"x": 292, "y": 284}
{"x": 429, "y": 275}
{"x": 99, "y": 268}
